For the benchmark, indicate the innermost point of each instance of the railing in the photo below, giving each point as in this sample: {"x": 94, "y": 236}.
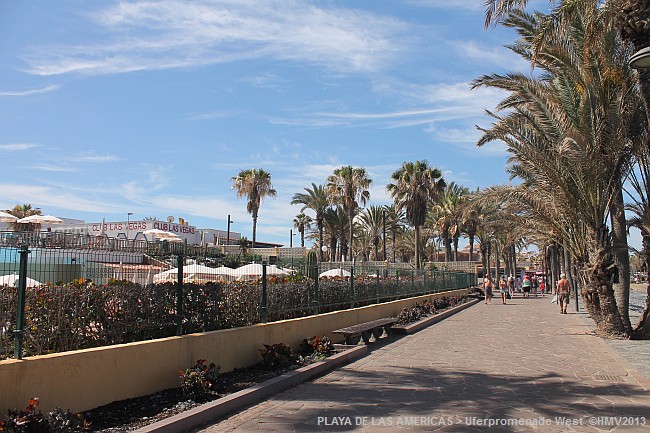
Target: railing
{"x": 74, "y": 298}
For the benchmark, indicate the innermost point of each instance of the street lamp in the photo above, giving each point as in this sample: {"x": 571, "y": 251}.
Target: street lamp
{"x": 128, "y": 223}
{"x": 291, "y": 235}
{"x": 228, "y": 234}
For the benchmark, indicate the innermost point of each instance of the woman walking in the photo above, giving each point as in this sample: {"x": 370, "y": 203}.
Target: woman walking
{"x": 503, "y": 288}
{"x": 525, "y": 285}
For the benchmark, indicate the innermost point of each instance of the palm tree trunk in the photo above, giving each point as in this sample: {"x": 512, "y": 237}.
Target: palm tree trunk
{"x": 350, "y": 253}
{"x": 471, "y": 248}
{"x": 496, "y": 262}
{"x": 621, "y": 257}
{"x": 455, "y": 248}
{"x": 320, "y": 239}
{"x": 417, "y": 246}
{"x": 599, "y": 295}
{"x": 254, "y": 228}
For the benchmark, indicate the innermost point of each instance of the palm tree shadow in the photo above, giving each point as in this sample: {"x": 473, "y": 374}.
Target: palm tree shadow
{"x": 442, "y": 398}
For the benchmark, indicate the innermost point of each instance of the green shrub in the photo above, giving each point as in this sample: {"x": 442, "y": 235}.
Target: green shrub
{"x": 197, "y": 381}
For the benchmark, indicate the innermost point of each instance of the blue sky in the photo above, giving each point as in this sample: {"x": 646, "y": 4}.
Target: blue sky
{"x": 151, "y": 107}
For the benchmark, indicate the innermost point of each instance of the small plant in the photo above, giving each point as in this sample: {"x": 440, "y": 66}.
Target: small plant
{"x": 31, "y": 420}
{"x": 198, "y": 380}
{"x": 319, "y": 345}
{"x": 278, "y": 356}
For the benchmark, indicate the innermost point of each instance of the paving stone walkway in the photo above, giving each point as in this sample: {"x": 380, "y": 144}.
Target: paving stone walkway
{"x": 519, "y": 367}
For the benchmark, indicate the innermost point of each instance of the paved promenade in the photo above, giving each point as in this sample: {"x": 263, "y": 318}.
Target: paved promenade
{"x": 523, "y": 365}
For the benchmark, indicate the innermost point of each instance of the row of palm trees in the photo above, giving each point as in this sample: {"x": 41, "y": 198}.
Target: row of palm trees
{"x": 577, "y": 133}
{"x": 426, "y": 212}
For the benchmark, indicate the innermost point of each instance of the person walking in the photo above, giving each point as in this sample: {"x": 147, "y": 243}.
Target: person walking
{"x": 511, "y": 285}
{"x": 487, "y": 288}
{"x": 563, "y": 292}
{"x": 534, "y": 285}
{"x": 525, "y": 285}
{"x": 503, "y": 289}
{"x": 542, "y": 286}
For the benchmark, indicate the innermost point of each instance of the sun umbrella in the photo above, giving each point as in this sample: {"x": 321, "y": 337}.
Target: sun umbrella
{"x": 195, "y": 274}
{"x": 336, "y": 272}
{"x": 254, "y": 270}
{"x": 40, "y": 219}
{"x": 7, "y": 217}
{"x": 12, "y": 280}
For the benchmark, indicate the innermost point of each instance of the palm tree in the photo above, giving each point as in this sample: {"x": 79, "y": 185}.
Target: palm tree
{"x": 244, "y": 243}
{"x": 346, "y": 187}
{"x": 254, "y": 184}
{"x": 302, "y": 222}
{"x": 415, "y": 186}
{"x": 639, "y": 181}
{"x": 448, "y": 210}
{"x": 395, "y": 220}
{"x": 372, "y": 223}
{"x": 23, "y": 211}
{"x": 630, "y": 18}
{"x": 571, "y": 133}
{"x": 335, "y": 222}
{"x": 316, "y": 200}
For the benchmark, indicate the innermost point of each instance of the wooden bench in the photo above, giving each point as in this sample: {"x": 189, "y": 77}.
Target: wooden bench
{"x": 377, "y": 327}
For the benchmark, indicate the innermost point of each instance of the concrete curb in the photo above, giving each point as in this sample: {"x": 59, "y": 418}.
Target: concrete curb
{"x": 414, "y": 327}
{"x": 213, "y": 410}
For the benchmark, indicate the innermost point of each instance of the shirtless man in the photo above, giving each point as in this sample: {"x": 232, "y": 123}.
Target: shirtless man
{"x": 563, "y": 291}
{"x": 487, "y": 287}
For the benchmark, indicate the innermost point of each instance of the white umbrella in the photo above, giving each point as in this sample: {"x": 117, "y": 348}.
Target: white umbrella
{"x": 41, "y": 219}
{"x": 12, "y": 280}
{"x": 7, "y": 217}
{"x": 336, "y": 272}
{"x": 254, "y": 270}
{"x": 195, "y": 274}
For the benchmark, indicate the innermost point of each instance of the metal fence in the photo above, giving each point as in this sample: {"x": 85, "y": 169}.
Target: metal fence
{"x": 67, "y": 297}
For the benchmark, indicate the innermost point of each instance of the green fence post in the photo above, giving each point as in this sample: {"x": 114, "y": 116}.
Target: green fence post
{"x": 264, "y": 291}
{"x": 20, "y": 307}
{"x": 315, "y": 301}
{"x": 412, "y": 282}
{"x": 179, "y": 296}
{"x": 352, "y": 285}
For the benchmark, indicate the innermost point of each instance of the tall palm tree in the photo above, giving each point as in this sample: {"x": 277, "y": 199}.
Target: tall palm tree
{"x": 372, "y": 223}
{"x": 316, "y": 200}
{"x": 254, "y": 184}
{"x": 348, "y": 187}
{"x": 395, "y": 221}
{"x": 302, "y": 222}
{"x": 448, "y": 210}
{"x": 470, "y": 216}
{"x": 336, "y": 222}
{"x": 570, "y": 133}
{"x": 414, "y": 185}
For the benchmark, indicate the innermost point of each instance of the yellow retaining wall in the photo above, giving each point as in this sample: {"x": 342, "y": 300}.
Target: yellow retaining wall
{"x": 84, "y": 379}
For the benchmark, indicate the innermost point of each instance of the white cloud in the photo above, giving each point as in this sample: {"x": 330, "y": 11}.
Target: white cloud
{"x": 176, "y": 34}
{"x": 45, "y": 89}
{"x": 56, "y": 197}
{"x": 17, "y": 147}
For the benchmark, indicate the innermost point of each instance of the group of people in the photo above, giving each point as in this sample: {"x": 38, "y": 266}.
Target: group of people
{"x": 528, "y": 284}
